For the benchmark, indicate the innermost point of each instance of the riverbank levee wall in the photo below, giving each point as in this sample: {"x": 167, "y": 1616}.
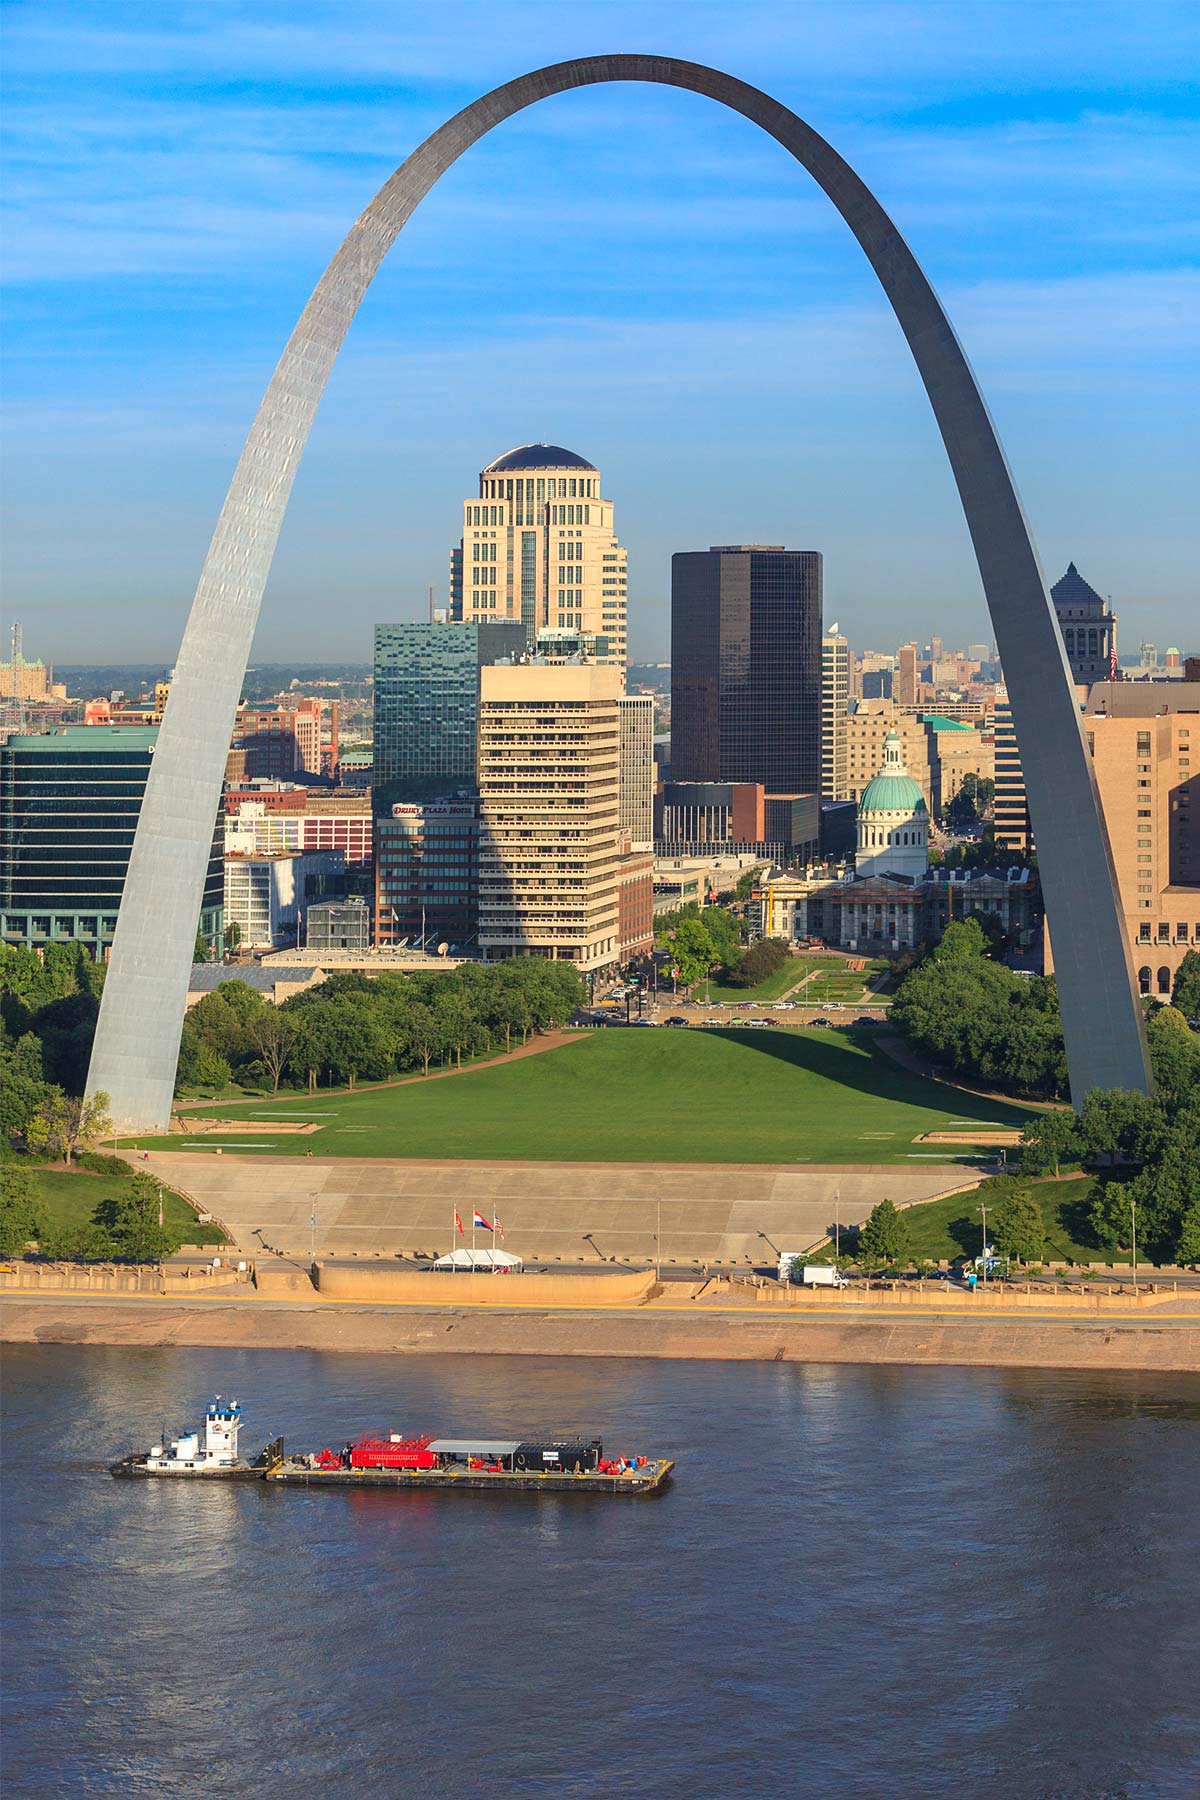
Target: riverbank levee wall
{"x": 407, "y": 1287}
{"x": 141, "y": 1012}
{"x": 1167, "y": 1338}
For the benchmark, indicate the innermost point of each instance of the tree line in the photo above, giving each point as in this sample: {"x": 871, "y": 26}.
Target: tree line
{"x": 982, "y": 1021}
{"x": 354, "y": 1027}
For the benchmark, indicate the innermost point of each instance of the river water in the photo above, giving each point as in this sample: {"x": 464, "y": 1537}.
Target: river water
{"x": 864, "y": 1584}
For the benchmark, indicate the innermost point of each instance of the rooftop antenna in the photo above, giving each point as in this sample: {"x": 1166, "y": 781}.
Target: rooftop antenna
{"x": 17, "y": 663}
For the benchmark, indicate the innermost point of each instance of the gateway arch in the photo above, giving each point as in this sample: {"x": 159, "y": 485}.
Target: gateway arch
{"x": 141, "y": 1014}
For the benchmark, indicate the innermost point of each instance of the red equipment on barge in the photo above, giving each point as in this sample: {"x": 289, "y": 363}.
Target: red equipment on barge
{"x": 391, "y": 1452}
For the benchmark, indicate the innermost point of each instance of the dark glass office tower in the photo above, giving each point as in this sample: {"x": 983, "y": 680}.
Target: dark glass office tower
{"x": 69, "y": 804}
{"x": 427, "y": 706}
{"x": 746, "y": 667}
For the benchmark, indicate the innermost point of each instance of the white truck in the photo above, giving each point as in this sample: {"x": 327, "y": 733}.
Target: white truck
{"x": 792, "y": 1267}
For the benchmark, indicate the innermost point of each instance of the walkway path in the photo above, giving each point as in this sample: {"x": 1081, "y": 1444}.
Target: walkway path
{"x": 547, "y": 1040}
{"x": 909, "y": 1057}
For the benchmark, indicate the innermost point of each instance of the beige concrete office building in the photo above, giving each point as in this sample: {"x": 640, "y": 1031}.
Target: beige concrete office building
{"x": 835, "y": 705}
{"x": 1145, "y": 743}
{"x": 866, "y": 735}
{"x": 550, "y": 833}
{"x": 539, "y": 545}
{"x": 637, "y": 769}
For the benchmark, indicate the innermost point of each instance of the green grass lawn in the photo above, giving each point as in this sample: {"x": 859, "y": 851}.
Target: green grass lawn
{"x": 719, "y": 1096}
{"x": 71, "y": 1197}
{"x": 846, "y": 986}
{"x": 776, "y": 987}
{"x": 948, "y": 1228}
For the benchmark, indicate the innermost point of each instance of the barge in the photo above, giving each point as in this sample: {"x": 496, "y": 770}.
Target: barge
{"x": 393, "y": 1461}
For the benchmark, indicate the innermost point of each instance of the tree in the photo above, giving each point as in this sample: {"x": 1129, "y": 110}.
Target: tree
{"x": 1018, "y": 1228}
{"x": 1110, "y": 1214}
{"x": 759, "y": 962}
{"x": 200, "y": 948}
{"x": 273, "y": 1033}
{"x": 23, "y": 1087}
{"x": 1185, "y": 990}
{"x": 131, "y": 1221}
{"x": 692, "y": 950}
{"x": 725, "y": 932}
{"x": 190, "y": 1052}
{"x": 1174, "y": 1058}
{"x": 213, "y": 1070}
{"x": 1187, "y": 1248}
{"x": 425, "y": 1035}
{"x": 962, "y": 814}
{"x": 22, "y": 1215}
{"x": 884, "y": 1236}
{"x": 63, "y": 1125}
{"x": 233, "y": 937}
{"x": 1121, "y": 1124}
{"x": 74, "y": 1243}
{"x": 1047, "y": 1142}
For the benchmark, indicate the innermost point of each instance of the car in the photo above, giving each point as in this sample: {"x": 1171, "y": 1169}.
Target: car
{"x": 646, "y": 1021}
{"x": 675, "y": 1020}
{"x": 825, "y": 1022}
{"x": 774, "y": 1022}
{"x": 783, "y": 1006}
{"x": 866, "y": 1019}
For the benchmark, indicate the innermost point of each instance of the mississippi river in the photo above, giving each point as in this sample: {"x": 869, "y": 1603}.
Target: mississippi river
{"x": 864, "y": 1584}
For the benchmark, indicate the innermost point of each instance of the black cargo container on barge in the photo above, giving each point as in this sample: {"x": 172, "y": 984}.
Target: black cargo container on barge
{"x": 565, "y": 1458}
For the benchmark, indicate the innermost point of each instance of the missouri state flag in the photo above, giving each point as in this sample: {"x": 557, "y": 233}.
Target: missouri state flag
{"x": 479, "y": 1220}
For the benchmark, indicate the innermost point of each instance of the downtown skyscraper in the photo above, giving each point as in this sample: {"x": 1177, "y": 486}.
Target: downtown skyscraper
{"x": 746, "y": 667}
{"x": 539, "y": 548}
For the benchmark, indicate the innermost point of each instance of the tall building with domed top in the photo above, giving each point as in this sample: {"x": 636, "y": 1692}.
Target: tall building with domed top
{"x": 893, "y": 820}
{"x": 539, "y": 547}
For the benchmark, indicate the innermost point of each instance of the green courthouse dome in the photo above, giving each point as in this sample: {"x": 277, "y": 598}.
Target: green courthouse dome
{"x": 893, "y": 790}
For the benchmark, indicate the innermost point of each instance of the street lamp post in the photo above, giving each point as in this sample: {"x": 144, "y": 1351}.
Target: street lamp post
{"x": 1133, "y": 1220}
{"x": 983, "y": 1210}
{"x": 837, "y": 1224}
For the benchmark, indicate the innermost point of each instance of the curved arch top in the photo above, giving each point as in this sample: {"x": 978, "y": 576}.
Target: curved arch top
{"x": 141, "y": 1013}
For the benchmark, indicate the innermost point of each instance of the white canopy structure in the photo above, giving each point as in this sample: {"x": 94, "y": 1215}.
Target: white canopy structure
{"x": 492, "y": 1262}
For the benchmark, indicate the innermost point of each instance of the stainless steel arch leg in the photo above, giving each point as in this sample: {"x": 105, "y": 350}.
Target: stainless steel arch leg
{"x": 141, "y": 1014}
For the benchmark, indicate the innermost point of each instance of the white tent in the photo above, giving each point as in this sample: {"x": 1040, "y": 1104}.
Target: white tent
{"x": 493, "y": 1262}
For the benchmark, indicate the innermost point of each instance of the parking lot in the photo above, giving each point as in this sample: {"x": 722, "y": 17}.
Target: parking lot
{"x": 664, "y": 1010}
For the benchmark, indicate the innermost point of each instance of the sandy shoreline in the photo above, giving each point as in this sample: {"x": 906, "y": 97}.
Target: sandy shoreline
{"x": 1169, "y": 1341}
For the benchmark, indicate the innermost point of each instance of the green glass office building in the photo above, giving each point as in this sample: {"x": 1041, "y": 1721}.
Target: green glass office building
{"x": 69, "y": 804}
{"x": 427, "y": 706}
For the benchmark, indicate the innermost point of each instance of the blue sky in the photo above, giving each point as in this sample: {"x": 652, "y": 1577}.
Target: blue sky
{"x": 630, "y": 272}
